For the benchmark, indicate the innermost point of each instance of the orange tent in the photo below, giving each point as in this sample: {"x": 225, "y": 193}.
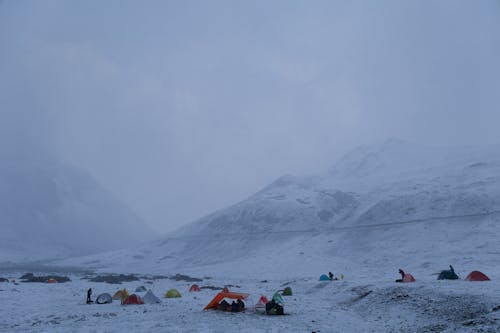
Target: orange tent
{"x": 220, "y": 296}
{"x": 194, "y": 287}
{"x": 477, "y": 276}
{"x": 408, "y": 278}
{"x": 51, "y": 281}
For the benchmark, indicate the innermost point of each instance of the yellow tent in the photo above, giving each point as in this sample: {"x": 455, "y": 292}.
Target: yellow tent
{"x": 172, "y": 293}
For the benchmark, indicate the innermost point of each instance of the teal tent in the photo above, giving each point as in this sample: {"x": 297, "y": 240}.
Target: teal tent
{"x": 324, "y": 277}
{"x": 278, "y": 298}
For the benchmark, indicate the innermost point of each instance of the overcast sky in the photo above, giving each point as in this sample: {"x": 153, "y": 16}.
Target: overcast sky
{"x": 184, "y": 107}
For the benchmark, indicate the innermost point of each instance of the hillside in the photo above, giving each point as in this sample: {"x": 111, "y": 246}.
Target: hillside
{"x": 51, "y": 210}
{"x": 379, "y": 207}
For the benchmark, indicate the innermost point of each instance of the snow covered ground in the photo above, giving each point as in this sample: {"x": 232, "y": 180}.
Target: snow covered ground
{"x": 357, "y": 304}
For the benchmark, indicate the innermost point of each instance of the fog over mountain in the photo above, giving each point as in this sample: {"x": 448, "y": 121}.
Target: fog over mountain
{"x": 181, "y": 108}
{"x": 51, "y": 210}
{"x": 379, "y": 206}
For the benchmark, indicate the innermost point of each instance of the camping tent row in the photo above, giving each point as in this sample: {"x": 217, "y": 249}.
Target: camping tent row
{"x": 123, "y": 295}
{"x": 473, "y": 276}
{"x": 443, "y": 275}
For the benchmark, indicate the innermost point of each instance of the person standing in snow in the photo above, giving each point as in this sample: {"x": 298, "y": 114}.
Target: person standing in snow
{"x": 234, "y": 307}
{"x": 241, "y": 305}
{"x": 402, "y": 275}
{"x": 89, "y": 293}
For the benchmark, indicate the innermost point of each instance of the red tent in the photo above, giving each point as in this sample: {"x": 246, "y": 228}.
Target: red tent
{"x": 408, "y": 278}
{"x": 133, "y": 299}
{"x": 194, "y": 287}
{"x": 220, "y": 296}
{"x": 51, "y": 281}
{"x": 261, "y": 304}
{"x": 477, "y": 276}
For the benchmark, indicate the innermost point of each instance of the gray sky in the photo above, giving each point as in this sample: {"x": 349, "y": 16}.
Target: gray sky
{"x": 184, "y": 107}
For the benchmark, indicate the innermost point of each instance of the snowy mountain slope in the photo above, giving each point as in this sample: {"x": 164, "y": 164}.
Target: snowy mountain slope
{"x": 49, "y": 210}
{"x": 379, "y": 207}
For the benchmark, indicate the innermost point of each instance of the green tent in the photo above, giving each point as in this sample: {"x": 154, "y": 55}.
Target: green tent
{"x": 287, "y": 291}
{"x": 172, "y": 293}
{"x": 278, "y": 298}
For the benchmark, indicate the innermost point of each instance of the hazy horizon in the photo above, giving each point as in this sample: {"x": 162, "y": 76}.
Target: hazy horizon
{"x": 182, "y": 108}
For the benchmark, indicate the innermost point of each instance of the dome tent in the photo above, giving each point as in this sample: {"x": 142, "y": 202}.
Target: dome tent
{"x": 120, "y": 294}
{"x": 172, "y": 293}
{"x": 408, "y": 278}
{"x": 104, "y": 299}
{"x": 194, "y": 287}
{"x": 477, "y": 276}
{"x": 133, "y": 299}
{"x": 140, "y": 289}
{"x": 261, "y": 304}
{"x": 287, "y": 291}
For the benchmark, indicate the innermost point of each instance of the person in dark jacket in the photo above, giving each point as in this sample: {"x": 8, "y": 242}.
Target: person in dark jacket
{"x": 234, "y": 307}
{"x": 273, "y": 308}
{"x": 223, "y": 306}
{"x": 89, "y": 293}
{"x": 402, "y": 275}
{"x": 241, "y": 305}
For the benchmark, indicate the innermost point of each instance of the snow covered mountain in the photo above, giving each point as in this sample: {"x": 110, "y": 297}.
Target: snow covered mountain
{"x": 51, "y": 210}
{"x": 380, "y": 206}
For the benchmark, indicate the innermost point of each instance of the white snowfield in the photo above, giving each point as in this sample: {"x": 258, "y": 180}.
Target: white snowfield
{"x": 357, "y": 304}
{"x": 380, "y": 208}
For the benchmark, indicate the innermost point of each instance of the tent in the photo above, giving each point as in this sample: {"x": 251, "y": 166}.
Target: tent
{"x": 194, "y": 287}
{"x": 477, "y": 276}
{"x": 150, "y": 298}
{"x": 172, "y": 293}
{"x": 408, "y": 278}
{"x": 448, "y": 274}
{"x": 324, "y": 277}
{"x": 220, "y": 296}
{"x": 287, "y": 291}
{"x": 120, "y": 294}
{"x": 277, "y": 298}
{"x": 133, "y": 299}
{"x": 140, "y": 289}
{"x": 104, "y": 299}
{"x": 261, "y": 304}
{"x": 51, "y": 281}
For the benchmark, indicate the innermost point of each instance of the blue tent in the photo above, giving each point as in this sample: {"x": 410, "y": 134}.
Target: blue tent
{"x": 324, "y": 277}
